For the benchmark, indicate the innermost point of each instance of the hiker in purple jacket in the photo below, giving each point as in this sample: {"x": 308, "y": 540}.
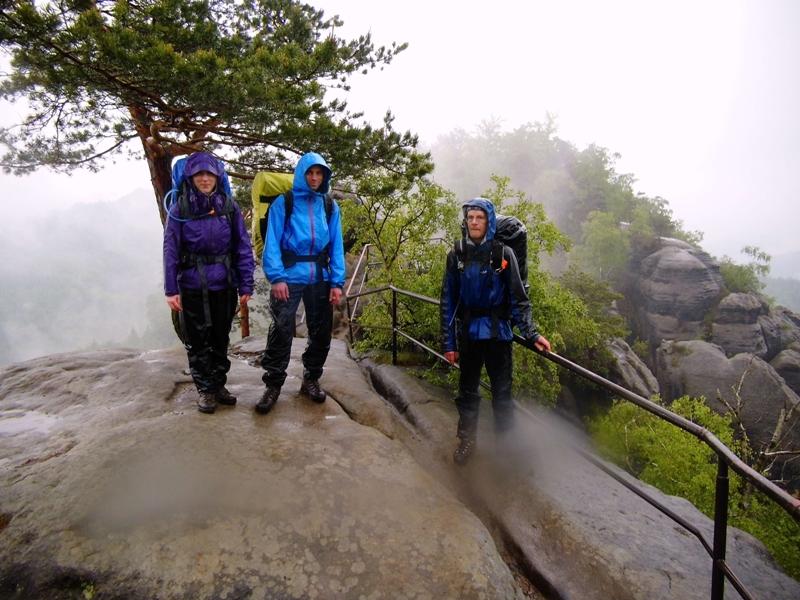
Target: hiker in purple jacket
{"x": 207, "y": 259}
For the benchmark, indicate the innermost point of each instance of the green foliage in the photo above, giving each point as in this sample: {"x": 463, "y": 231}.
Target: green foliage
{"x": 746, "y": 278}
{"x": 401, "y": 222}
{"x": 679, "y": 464}
{"x": 414, "y": 259}
{"x": 245, "y": 79}
{"x": 605, "y": 250}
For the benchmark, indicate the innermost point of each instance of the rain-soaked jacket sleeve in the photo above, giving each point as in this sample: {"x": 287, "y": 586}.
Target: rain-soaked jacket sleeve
{"x": 448, "y": 303}
{"x": 243, "y": 250}
{"x": 272, "y": 260}
{"x": 337, "y": 248}
{"x": 520, "y": 304}
{"x": 172, "y": 256}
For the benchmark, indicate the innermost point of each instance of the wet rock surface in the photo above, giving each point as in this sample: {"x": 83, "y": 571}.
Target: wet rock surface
{"x": 578, "y": 533}
{"x": 113, "y": 485}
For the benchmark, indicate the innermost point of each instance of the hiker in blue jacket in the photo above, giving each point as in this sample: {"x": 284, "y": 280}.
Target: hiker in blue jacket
{"x": 207, "y": 259}
{"x": 303, "y": 260}
{"x": 482, "y": 296}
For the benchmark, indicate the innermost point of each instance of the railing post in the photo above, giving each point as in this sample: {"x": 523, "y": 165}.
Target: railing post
{"x": 720, "y": 530}
{"x": 350, "y": 322}
{"x": 394, "y": 327}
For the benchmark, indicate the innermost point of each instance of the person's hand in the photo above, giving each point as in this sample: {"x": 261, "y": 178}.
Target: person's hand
{"x": 244, "y": 299}
{"x": 542, "y": 344}
{"x": 280, "y": 291}
{"x": 335, "y": 296}
{"x": 174, "y": 302}
{"x": 452, "y": 357}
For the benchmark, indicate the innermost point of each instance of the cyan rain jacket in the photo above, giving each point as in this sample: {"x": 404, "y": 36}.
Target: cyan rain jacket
{"x": 307, "y": 233}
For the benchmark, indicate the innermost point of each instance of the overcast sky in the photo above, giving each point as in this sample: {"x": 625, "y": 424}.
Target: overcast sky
{"x": 700, "y": 98}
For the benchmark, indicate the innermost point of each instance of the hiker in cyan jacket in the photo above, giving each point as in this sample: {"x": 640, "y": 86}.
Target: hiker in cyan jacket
{"x": 303, "y": 260}
{"x": 482, "y": 297}
{"x": 207, "y": 259}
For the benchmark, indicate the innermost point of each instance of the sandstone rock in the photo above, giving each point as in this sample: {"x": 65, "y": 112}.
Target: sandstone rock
{"x": 736, "y": 328}
{"x": 781, "y": 329}
{"x": 745, "y": 383}
{"x": 787, "y": 365}
{"x": 675, "y": 288}
{"x": 739, "y": 308}
{"x": 112, "y": 483}
{"x": 629, "y": 371}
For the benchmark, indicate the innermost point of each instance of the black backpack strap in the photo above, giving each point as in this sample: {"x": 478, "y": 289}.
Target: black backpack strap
{"x": 497, "y": 256}
{"x": 288, "y": 207}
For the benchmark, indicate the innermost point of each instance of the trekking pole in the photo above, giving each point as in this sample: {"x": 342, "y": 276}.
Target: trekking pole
{"x": 245, "y": 319}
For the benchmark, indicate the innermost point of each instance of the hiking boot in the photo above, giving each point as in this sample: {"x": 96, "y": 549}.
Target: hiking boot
{"x": 310, "y": 387}
{"x": 268, "y": 400}
{"x": 207, "y": 402}
{"x": 466, "y": 446}
{"x": 225, "y": 397}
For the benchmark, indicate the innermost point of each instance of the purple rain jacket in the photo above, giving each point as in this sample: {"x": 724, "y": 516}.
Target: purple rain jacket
{"x": 211, "y": 235}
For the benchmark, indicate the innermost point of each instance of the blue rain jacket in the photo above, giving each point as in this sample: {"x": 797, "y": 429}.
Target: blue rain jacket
{"x": 307, "y": 232}
{"x": 478, "y": 288}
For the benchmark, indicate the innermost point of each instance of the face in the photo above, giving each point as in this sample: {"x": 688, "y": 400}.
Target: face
{"x": 314, "y": 177}
{"x": 204, "y": 181}
{"x": 476, "y": 224}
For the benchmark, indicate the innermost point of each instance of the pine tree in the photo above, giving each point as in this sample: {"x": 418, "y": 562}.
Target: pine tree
{"x": 245, "y": 79}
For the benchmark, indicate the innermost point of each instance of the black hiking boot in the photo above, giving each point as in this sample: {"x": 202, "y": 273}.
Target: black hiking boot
{"x": 310, "y": 387}
{"x": 466, "y": 446}
{"x": 268, "y": 400}
{"x": 207, "y": 402}
{"x": 225, "y": 397}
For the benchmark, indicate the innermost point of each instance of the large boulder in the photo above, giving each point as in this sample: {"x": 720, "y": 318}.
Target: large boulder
{"x": 787, "y": 365}
{"x": 781, "y": 329}
{"x": 112, "y": 485}
{"x": 629, "y": 371}
{"x": 674, "y": 289}
{"x": 736, "y": 328}
{"x": 745, "y": 384}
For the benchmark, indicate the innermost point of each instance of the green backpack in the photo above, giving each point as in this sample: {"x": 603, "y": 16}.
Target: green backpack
{"x": 267, "y": 186}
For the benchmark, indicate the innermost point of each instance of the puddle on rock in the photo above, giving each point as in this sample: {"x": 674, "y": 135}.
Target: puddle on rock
{"x": 17, "y": 421}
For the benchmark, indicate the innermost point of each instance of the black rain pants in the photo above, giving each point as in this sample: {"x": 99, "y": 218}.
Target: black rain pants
{"x": 207, "y": 343}
{"x": 319, "y": 320}
{"x": 496, "y": 355}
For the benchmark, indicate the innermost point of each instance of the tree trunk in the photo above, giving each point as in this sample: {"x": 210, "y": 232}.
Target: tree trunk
{"x": 159, "y": 158}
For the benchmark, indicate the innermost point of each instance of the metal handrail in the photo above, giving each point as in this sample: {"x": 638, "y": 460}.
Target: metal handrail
{"x": 726, "y": 457}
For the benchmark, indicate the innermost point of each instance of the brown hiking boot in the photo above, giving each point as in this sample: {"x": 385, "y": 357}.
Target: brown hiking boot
{"x": 310, "y": 387}
{"x": 268, "y": 400}
{"x": 225, "y": 397}
{"x": 466, "y": 446}
{"x": 207, "y": 402}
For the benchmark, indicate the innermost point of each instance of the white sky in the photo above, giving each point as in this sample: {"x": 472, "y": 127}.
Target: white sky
{"x": 701, "y": 98}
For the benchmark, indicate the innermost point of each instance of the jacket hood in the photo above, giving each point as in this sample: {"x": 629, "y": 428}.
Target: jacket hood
{"x": 487, "y": 207}
{"x": 202, "y": 161}
{"x": 308, "y": 160}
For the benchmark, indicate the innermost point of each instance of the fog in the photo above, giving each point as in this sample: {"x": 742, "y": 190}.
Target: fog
{"x": 699, "y": 99}
{"x": 82, "y": 277}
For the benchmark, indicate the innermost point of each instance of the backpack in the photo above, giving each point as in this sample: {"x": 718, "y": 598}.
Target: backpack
{"x": 178, "y": 196}
{"x": 267, "y": 186}
{"x": 509, "y": 231}
{"x": 172, "y": 197}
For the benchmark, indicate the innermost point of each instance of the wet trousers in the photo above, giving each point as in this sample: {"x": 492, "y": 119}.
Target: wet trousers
{"x": 207, "y": 343}
{"x": 473, "y": 355}
{"x": 319, "y": 319}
